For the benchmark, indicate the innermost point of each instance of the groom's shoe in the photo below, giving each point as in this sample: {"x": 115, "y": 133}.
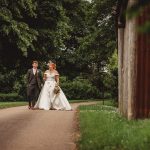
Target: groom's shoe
{"x": 32, "y": 107}
{"x": 29, "y": 107}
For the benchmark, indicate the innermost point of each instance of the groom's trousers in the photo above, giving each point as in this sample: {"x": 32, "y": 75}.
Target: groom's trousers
{"x": 32, "y": 94}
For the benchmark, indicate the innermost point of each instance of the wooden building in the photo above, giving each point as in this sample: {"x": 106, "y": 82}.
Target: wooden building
{"x": 134, "y": 63}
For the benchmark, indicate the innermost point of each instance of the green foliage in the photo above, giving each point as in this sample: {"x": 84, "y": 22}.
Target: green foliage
{"x": 98, "y": 44}
{"x": 145, "y": 28}
{"x": 12, "y": 28}
{"x": 11, "y": 82}
{"x": 111, "y": 80}
{"x": 11, "y": 97}
{"x": 11, "y": 104}
{"x": 20, "y": 86}
{"x": 52, "y": 24}
{"x": 77, "y": 34}
{"x": 102, "y": 128}
{"x": 6, "y": 79}
{"x": 136, "y": 10}
{"x": 79, "y": 88}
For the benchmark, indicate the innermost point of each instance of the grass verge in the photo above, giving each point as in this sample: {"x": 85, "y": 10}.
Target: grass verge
{"x": 11, "y": 104}
{"x": 14, "y": 104}
{"x": 80, "y": 101}
{"x": 102, "y": 128}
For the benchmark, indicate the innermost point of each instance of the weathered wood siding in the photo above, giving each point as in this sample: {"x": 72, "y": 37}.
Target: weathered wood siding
{"x": 127, "y": 39}
{"x": 134, "y": 67}
{"x": 143, "y": 67}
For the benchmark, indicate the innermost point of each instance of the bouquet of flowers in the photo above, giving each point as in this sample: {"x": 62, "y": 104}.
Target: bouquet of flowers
{"x": 57, "y": 89}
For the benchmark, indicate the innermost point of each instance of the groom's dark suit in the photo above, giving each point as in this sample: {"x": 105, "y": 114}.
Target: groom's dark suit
{"x": 34, "y": 84}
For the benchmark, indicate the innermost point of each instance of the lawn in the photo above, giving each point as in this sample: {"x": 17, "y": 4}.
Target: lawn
{"x": 102, "y": 128}
{"x": 14, "y": 104}
{"x": 80, "y": 101}
{"x": 11, "y": 104}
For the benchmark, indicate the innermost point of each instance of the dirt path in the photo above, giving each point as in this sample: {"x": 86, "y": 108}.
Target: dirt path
{"x": 23, "y": 129}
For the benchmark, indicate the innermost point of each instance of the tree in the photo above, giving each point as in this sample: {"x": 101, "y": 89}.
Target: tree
{"x": 98, "y": 45}
{"x": 135, "y": 11}
{"x": 74, "y": 33}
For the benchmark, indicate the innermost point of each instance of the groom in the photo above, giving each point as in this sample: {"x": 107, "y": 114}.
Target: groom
{"x": 34, "y": 84}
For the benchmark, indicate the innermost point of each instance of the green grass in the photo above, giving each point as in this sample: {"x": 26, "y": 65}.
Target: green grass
{"x": 11, "y": 104}
{"x": 14, "y": 104}
{"x": 80, "y": 101}
{"x": 100, "y": 101}
{"x": 102, "y": 128}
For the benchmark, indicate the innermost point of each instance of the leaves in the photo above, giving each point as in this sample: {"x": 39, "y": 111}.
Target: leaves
{"x": 17, "y": 32}
{"x": 79, "y": 35}
{"x": 136, "y": 10}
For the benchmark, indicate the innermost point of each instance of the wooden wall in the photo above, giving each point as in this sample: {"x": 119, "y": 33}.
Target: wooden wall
{"x": 143, "y": 67}
{"x": 134, "y": 67}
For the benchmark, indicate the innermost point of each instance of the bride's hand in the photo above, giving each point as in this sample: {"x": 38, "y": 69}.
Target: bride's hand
{"x": 57, "y": 84}
{"x": 44, "y": 78}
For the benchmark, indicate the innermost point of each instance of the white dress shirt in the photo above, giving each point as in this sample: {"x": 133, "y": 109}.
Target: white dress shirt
{"x": 34, "y": 71}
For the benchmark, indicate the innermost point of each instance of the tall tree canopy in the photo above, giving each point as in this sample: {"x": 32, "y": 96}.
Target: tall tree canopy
{"x": 79, "y": 35}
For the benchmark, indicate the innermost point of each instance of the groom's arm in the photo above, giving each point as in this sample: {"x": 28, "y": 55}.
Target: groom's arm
{"x": 28, "y": 76}
{"x": 41, "y": 76}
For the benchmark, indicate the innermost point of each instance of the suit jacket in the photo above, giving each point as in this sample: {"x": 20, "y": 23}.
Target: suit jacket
{"x": 38, "y": 76}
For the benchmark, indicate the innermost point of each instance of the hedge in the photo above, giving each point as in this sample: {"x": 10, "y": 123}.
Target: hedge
{"x": 79, "y": 89}
{"x": 10, "y": 97}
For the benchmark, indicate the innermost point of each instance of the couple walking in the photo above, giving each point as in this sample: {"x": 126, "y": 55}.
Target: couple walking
{"x": 45, "y": 94}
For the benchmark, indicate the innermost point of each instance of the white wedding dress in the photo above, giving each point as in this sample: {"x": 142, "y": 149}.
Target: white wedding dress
{"x": 47, "y": 99}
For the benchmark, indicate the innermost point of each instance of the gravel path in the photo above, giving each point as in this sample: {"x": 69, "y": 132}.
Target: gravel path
{"x": 23, "y": 129}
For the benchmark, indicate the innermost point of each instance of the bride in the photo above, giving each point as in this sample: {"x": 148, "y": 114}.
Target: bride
{"x": 51, "y": 96}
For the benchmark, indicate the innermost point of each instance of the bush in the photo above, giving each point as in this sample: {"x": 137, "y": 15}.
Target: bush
{"x": 79, "y": 88}
{"x": 11, "y": 97}
{"x": 12, "y": 82}
{"x": 7, "y": 79}
{"x": 20, "y": 86}
{"x": 111, "y": 80}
